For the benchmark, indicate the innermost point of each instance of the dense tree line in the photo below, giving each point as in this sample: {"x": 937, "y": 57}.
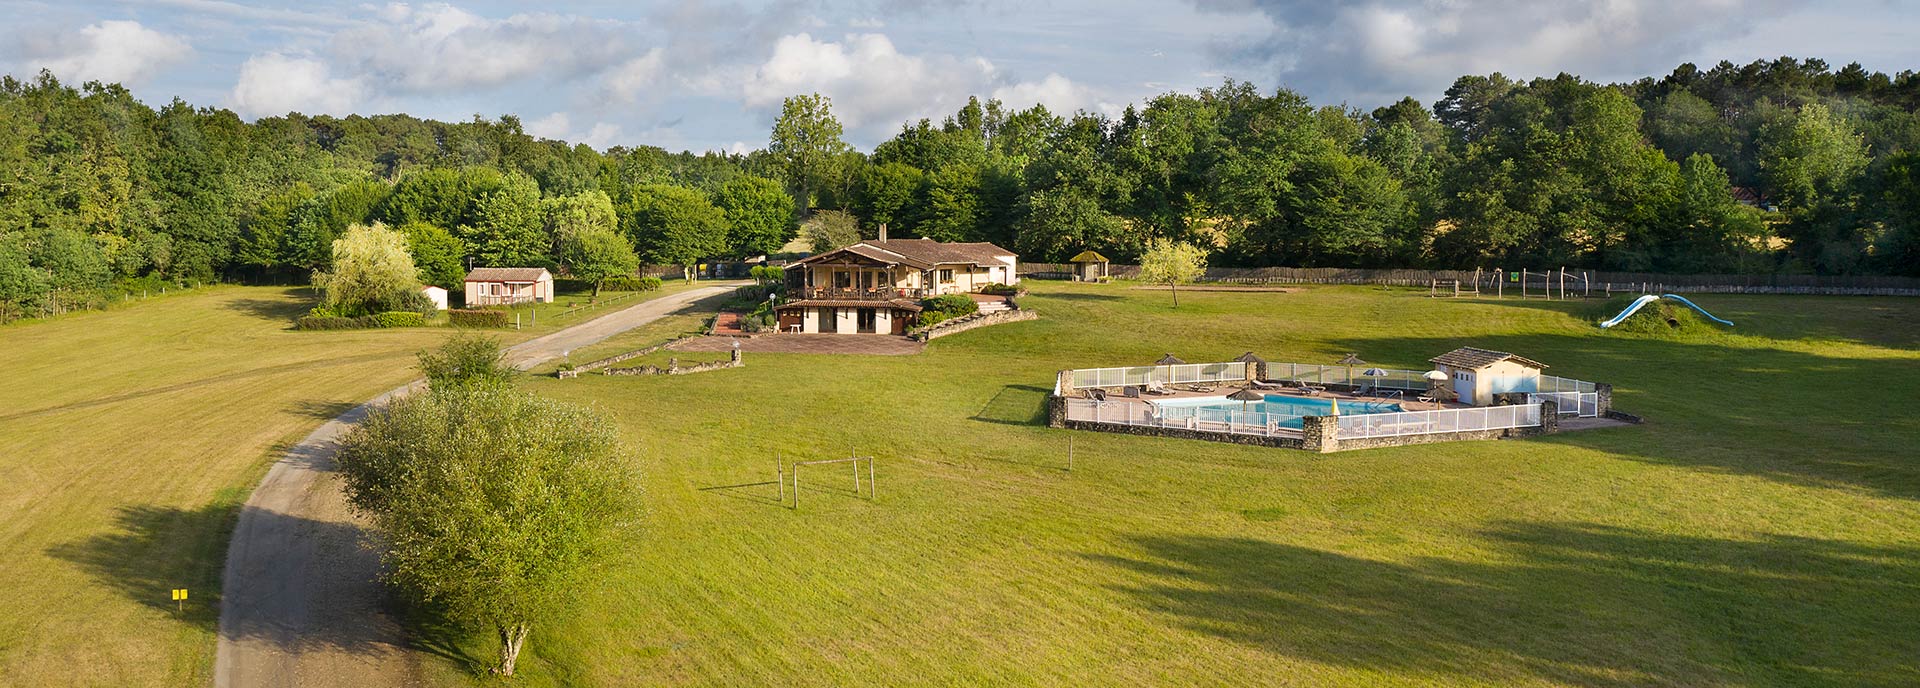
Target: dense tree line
{"x": 98, "y": 188}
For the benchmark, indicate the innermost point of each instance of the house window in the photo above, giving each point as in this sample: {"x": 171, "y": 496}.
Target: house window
{"x": 946, "y": 276}
{"x": 842, "y": 280}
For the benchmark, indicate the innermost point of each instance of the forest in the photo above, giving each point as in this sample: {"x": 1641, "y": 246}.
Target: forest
{"x": 1781, "y": 166}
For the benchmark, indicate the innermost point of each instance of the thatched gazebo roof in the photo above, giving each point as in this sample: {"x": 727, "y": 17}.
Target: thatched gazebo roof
{"x": 1247, "y": 394}
{"x": 1350, "y": 360}
{"x": 1088, "y": 256}
{"x": 1248, "y": 357}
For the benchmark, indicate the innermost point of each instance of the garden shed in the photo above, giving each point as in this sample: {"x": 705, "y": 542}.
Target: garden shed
{"x": 1478, "y": 374}
{"x": 1089, "y": 266}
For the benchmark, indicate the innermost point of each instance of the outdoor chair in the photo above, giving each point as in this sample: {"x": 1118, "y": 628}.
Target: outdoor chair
{"x": 1307, "y": 389}
{"x": 1203, "y": 389}
{"x": 1157, "y": 388}
{"x": 1261, "y": 384}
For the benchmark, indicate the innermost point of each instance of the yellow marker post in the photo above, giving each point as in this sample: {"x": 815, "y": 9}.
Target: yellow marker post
{"x": 179, "y": 599}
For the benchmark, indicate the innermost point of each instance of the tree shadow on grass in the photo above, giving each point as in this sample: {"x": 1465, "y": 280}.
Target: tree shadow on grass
{"x": 1569, "y": 603}
{"x": 154, "y": 550}
{"x": 1016, "y": 405}
{"x": 323, "y": 410}
{"x": 1787, "y": 415}
{"x": 277, "y": 310}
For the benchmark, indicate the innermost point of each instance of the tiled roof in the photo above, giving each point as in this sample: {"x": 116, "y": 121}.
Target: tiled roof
{"x": 506, "y": 274}
{"x": 1471, "y": 358}
{"x": 919, "y": 254}
{"x": 928, "y": 250}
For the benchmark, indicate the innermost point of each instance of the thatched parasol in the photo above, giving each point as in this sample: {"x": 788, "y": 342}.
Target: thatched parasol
{"x": 1169, "y": 359}
{"x": 1350, "y": 361}
{"x": 1248, "y": 357}
{"x": 1246, "y": 394}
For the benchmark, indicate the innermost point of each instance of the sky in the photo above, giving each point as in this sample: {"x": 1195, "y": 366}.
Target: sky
{"x": 711, "y": 74}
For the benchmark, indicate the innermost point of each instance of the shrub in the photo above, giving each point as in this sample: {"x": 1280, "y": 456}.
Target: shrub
{"x": 315, "y": 322}
{"x": 400, "y": 319}
{"x": 946, "y": 307}
{"x": 477, "y": 318}
{"x": 1000, "y": 289}
{"x": 630, "y": 283}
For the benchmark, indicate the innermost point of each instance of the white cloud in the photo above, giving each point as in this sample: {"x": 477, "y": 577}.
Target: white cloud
{"x": 632, "y": 79}
{"x": 110, "y": 51}
{"x": 442, "y": 48}
{"x": 602, "y": 136}
{"x": 1059, "y": 94}
{"x": 869, "y": 80}
{"x": 867, "y": 23}
{"x": 276, "y": 84}
{"x": 552, "y": 126}
{"x": 1381, "y": 50}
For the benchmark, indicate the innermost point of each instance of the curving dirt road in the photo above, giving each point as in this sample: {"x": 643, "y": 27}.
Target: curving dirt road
{"x": 301, "y": 605}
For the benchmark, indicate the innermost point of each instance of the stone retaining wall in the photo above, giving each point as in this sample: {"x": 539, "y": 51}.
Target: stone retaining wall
{"x": 1281, "y": 441}
{"x": 610, "y": 360}
{"x": 958, "y": 325}
{"x": 674, "y": 367}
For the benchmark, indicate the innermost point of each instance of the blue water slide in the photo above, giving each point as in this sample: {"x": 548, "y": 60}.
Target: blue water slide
{"x": 1650, "y": 298}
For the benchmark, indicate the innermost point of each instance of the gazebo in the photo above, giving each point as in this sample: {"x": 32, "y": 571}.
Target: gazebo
{"x": 1089, "y": 266}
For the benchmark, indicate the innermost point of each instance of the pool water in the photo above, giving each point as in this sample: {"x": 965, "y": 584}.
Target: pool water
{"x": 1285, "y": 410}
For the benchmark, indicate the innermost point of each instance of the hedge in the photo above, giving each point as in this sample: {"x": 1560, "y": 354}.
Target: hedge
{"x": 477, "y": 318}
{"x": 401, "y": 319}
{"x": 630, "y": 283}
{"x": 946, "y": 307}
{"x": 323, "y": 322}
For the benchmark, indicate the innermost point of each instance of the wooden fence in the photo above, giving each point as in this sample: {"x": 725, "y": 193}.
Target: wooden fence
{"x": 1597, "y": 282}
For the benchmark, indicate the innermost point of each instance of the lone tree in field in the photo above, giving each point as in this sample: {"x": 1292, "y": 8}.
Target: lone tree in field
{"x": 372, "y": 271}
{"x": 496, "y": 505}
{"x": 598, "y": 254}
{"x": 1172, "y": 263}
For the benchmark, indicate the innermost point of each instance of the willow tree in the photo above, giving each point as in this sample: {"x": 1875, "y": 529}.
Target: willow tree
{"x": 496, "y": 505}
{"x": 372, "y": 271}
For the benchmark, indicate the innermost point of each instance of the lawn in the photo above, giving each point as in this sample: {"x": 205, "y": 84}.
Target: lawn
{"x": 128, "y": 438}
{"x": 1762, "y": 529}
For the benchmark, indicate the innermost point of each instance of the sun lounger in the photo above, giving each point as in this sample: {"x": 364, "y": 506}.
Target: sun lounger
{"x": 1258, "y": 384}
{"x": 1157, "y": 388}
{"x": 1307, "y": 389}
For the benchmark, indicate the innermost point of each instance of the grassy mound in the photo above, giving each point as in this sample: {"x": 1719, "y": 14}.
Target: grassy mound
{"x": 1662, "y": 318}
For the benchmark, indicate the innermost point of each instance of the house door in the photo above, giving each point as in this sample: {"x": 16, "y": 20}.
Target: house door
{"x": 1463, "y": 386}
{"x": 866, "y": 320}
{"x": 829, "y": 320}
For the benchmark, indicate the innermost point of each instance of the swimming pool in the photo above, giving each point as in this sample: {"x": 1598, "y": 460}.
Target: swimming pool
{"x": 1283, "y": 411}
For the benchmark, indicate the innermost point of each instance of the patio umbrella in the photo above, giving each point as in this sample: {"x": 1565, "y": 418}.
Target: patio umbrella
{"x": 1248, "y": 357}
{"x": 1434, "y": 378}
{"x": 1373, "y": 371}
{"x": 1168, "y": 359}
{"x": 1350, "y": 361}
{"x": 1245, "y": 395}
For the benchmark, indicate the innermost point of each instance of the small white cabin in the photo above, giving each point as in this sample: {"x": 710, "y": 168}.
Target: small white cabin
{"x": 1478, "y": 374}
{"x": 437, "y": 295}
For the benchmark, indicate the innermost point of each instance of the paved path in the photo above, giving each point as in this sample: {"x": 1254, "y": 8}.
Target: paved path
{"x": 868, "y": 344}
{"x": 300, "y": 603}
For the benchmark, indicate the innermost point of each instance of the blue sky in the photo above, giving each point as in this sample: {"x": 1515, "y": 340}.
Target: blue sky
{"x": 710, "y": 74}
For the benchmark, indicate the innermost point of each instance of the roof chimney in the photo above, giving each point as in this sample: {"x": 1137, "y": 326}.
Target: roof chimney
{"x": 883, "y": 231}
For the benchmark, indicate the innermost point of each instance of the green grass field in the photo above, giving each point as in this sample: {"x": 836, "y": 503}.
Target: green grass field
{"x": 128, "y": 439}
{"x": 1760, "y": 530}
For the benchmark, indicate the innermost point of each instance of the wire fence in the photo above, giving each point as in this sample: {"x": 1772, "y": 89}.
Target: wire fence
{"x": 1436, "y": 422}
{"x": 1186, "y": 373}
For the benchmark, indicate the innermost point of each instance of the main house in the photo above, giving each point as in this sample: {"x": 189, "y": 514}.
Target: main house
{"x": 875, "y": 286}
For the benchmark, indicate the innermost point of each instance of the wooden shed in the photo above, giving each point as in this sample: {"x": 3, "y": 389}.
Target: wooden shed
{"x": 1089, "y": 266}
{"x": 1478, "y": 374}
